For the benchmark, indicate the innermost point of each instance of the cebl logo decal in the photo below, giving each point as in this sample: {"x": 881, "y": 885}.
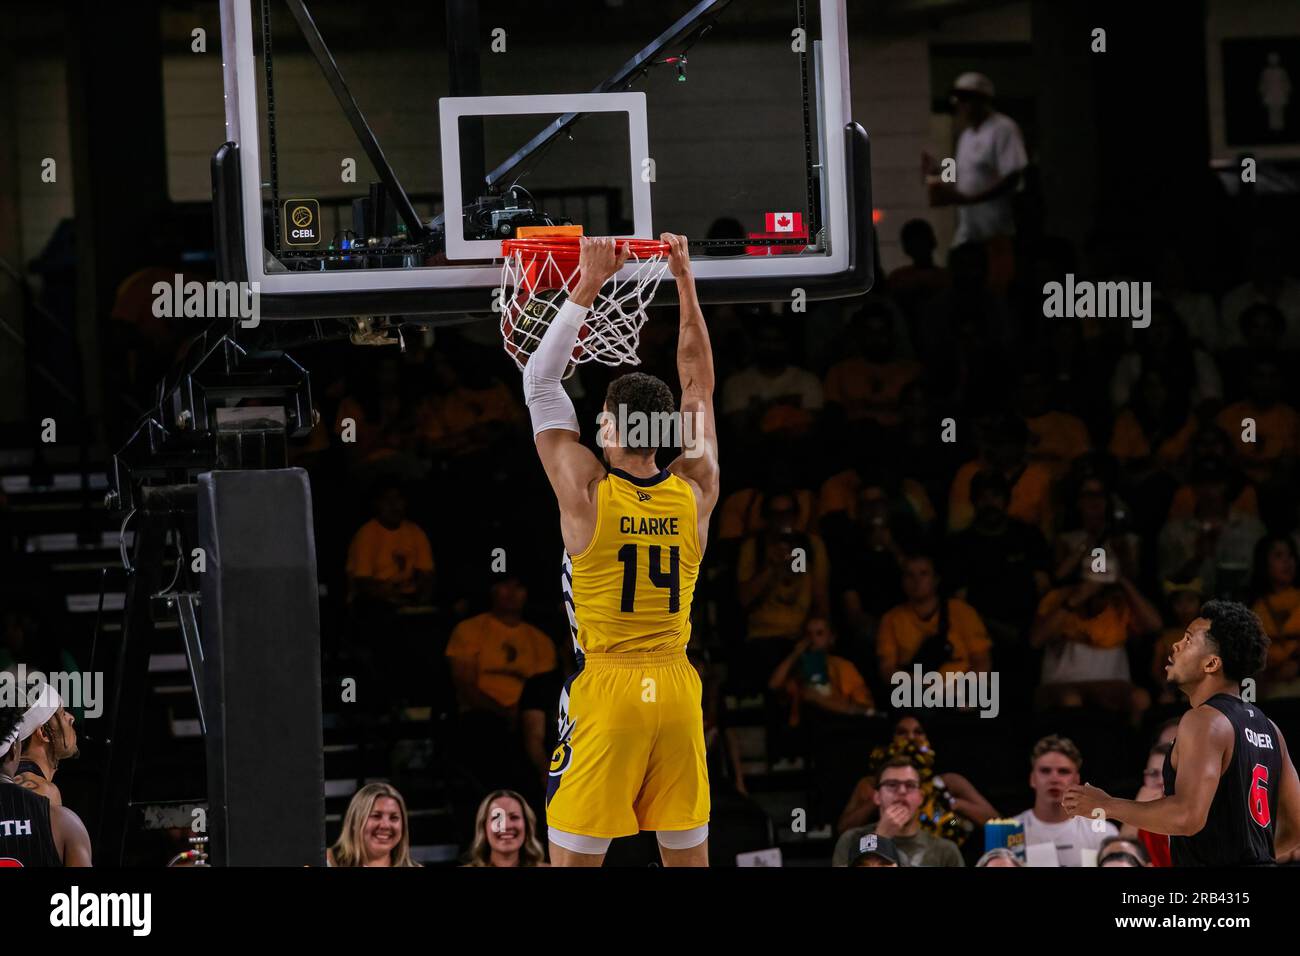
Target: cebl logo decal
{"x": 301, "y": 219}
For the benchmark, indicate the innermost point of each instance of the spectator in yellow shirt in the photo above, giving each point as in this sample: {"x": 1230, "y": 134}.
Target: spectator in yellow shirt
{"x": 1095, "y": 520}
{"x": 1085, "y": 630}
{"x": 1210, "y": 442}
{"x": 773, "y": 396}
{"x": 742, "y": 512}
{"x": 1216, "y": 542}
{"x": 1277, "y": 425}
{"x": 494, "y": 653}
{"x": 782, "y": 574}
{"x": 782, "y": 577}
{"x": 1058, "y": 437}
{"x": 869, "y": 384}
{"x": 491, "y": 656}
{"x": 478, "y": 411}
{"x": 1155, "y": 430}
{"x": 1004, "y": 447}
{"x": 390, "y": 560}
{"x": 811, "y": 674}
{"x": 1273, "y": 582}
{"x": 841, "y": 493}
{"x": 940, "y": 635}
{"x": 1277, "y": 605}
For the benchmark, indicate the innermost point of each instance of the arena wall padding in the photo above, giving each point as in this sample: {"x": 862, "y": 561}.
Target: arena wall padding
{"x": 261, "y": 644}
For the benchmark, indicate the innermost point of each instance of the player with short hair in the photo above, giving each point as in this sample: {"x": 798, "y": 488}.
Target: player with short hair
{"x": 631, "y": 754}
{"x": 1232, "y": 797}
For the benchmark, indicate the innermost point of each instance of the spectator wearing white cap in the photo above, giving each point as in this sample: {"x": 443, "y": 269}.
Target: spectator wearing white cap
{"x": 990, "y": 159}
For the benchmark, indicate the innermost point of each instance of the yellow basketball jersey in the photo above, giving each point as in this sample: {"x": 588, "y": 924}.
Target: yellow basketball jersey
{"x": 631, "y": 589}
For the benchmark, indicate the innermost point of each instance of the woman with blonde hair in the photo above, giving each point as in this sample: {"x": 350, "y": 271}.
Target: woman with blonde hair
{"x": 374, "y": 830}
{"x": 505, "y": 832}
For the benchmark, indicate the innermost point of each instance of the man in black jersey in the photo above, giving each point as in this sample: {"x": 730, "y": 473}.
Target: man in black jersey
{"x": 1232, "y": 797}
{"x": 54, "y": 740}
{"x": 32, "y": 831}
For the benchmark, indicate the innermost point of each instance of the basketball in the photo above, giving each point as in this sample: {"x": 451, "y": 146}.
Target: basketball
{"x": 525, "y": 319}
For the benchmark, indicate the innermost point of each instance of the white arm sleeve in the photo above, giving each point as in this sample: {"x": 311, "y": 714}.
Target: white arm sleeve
{"x": 548, "y": 404}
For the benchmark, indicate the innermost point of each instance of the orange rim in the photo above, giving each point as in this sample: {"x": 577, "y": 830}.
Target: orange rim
{"x": 567, "y": 247}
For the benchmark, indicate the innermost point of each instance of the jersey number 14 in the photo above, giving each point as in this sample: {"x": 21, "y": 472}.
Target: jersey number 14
{"x": 670, "y": 579}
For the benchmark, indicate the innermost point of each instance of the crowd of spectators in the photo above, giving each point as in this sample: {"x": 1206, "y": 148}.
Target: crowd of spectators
{"x": 936, "y": 474}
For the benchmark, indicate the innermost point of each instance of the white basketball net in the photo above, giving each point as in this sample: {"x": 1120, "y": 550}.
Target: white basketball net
{"x": 534, "y": 286}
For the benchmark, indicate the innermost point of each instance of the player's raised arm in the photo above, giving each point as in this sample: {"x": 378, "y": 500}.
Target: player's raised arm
{"x": 699, "y": 458}
{"x": 1204, "y": 735}
{"x": 570, "y": 466}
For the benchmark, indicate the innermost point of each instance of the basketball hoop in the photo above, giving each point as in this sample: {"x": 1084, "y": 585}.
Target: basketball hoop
{"x": 540, "y": 272}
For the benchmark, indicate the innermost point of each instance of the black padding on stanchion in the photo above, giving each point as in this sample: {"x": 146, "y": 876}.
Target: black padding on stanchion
{"x": 261, "y": 641}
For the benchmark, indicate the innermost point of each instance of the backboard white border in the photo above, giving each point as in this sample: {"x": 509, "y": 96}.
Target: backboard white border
{"x": 241, "y": 102}
{"x": 452, "y": 108}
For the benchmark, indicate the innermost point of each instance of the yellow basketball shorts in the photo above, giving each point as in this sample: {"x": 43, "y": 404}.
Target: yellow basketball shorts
{"x": 631, "y": 752}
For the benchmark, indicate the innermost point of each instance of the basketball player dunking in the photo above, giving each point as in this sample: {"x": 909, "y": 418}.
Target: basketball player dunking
{"x": 1232, "y": 797}
{"x": 631, "y": 751}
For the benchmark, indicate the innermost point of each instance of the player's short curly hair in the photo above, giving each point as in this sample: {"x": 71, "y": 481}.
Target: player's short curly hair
{"x": 639, "y": 392}
{"x": 1239, "y": 637}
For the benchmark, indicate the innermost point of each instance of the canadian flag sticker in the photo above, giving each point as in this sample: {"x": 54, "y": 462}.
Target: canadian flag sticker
{"x": 784, "y": 222}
